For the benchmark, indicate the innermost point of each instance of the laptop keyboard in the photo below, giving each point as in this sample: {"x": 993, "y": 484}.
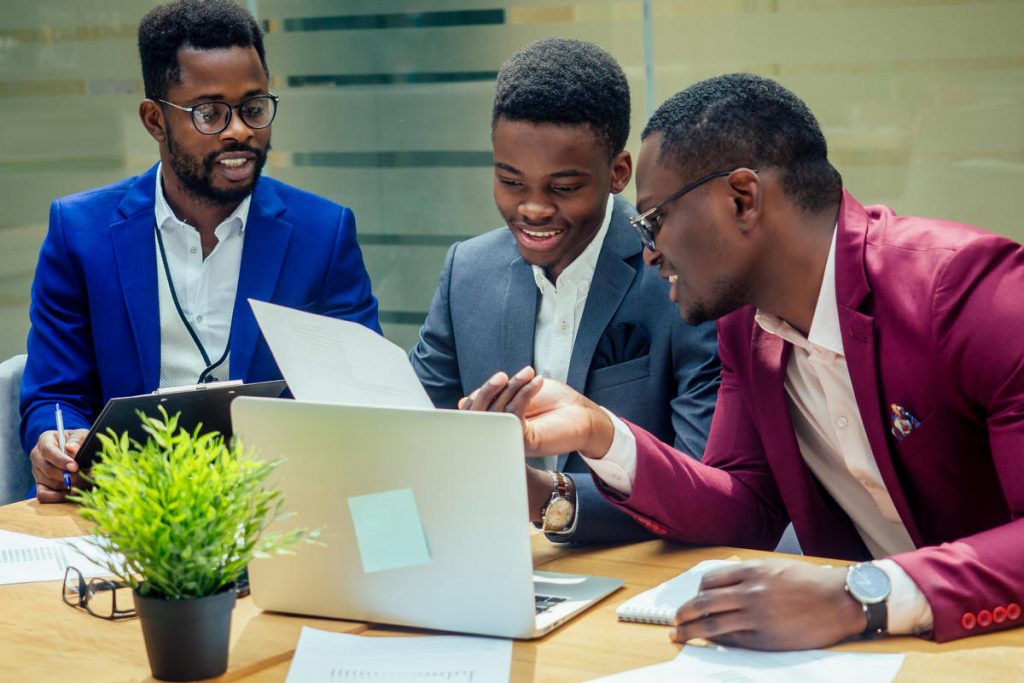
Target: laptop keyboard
{"x": 546, "y": 602}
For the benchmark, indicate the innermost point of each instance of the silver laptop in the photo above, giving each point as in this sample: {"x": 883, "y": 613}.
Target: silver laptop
{"x": 424, "y": 516}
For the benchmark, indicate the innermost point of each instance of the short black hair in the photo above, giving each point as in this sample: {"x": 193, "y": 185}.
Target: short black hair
{"x": 198, "y": 24}
{"x": 741, "y": 120}
{"x": 569, "y": 82}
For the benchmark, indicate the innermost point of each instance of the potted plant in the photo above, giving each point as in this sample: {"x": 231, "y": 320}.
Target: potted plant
{"x": 186, "y": 512}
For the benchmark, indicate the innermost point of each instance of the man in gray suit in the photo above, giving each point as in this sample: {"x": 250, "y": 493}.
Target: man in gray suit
{"x": 563, "y": 287}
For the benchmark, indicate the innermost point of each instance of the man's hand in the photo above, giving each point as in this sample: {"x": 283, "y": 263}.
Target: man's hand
{"x": 772, "y": 605}
{"x": 556, "y": 418}
{"x": 48, "y": 464}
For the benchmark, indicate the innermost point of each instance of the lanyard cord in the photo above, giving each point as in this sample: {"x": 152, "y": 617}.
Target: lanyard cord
{"x": 181, "y": 314}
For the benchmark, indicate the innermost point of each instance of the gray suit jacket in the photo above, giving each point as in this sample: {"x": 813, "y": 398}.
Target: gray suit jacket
{"x": 632, "y": 353}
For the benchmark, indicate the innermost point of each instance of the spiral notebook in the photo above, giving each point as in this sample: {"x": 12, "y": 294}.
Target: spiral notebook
{"x": 659, "y": 604}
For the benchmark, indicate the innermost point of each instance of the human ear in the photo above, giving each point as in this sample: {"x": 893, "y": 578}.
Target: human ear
{"x": 152, "y": 118}
{"x": 746, "y": 191}
{"x": 621, "y": 171}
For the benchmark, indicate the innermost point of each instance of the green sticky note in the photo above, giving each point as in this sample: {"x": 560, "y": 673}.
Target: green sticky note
{"x": 388, "y": 530}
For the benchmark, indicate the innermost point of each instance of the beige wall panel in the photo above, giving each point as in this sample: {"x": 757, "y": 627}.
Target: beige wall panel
{"x": 404, "y": 277}
{"x": 333, "y": 8}
{"x": 385, "y": 118}
{"x": 454, "y": 49}
{"x": 71, "y": 60}
{"x": 861, "y": 36}
{"x": 405, "y": 201}
{"x": 39, "y": 14}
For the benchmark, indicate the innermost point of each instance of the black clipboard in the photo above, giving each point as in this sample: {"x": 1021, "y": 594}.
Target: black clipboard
{"x": 209, "y": 404}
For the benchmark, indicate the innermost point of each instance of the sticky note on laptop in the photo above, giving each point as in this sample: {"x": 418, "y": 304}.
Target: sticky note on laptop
{"x": 389, "y": 530}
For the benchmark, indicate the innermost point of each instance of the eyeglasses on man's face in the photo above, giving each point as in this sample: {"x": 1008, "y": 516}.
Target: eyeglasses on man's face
{"x": 648, "y": 223}
{"x": 98, "y": 597}
{"x": 210, "y": 118}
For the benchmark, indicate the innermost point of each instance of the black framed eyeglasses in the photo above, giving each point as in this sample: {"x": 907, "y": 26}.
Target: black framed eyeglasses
{"x": 646, "y": 224}
{"x": 210, "y": 118}
{"x": 98, "y": 597}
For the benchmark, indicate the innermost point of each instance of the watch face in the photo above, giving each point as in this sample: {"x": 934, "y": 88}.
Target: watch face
{"x": 558, "y": 514}
{"x": 868, "y": 583}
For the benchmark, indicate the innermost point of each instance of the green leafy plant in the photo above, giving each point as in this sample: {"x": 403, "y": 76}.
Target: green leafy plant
{"x": 187, "y": 511}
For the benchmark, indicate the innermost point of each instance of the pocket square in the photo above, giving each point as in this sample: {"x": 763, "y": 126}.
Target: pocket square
{"x": 903, "y": 421}
{"x": 619, "y": 344}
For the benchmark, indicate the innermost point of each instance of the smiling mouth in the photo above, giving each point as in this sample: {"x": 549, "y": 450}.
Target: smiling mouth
{"x": 234, "y": 163}
{"x": 540, "y": 234}
{"x": 672, "y": 279}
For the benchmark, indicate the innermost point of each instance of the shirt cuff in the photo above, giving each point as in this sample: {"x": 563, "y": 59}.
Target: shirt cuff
{"x": 617, "y": 468}
{"x": 908, "y": 609}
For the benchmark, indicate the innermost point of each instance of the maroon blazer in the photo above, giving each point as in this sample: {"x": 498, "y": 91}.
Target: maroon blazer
{"x": 932, "y": 318}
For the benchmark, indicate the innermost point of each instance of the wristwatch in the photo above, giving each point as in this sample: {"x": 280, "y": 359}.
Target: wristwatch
{"x": 559, "y": 511}
{"x": 870, "y": 586}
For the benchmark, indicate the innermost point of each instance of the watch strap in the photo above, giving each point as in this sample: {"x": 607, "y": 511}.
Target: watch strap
{"x": 878, "y": 619}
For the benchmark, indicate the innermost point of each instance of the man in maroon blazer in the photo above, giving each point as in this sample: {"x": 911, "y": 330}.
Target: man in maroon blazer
{"x": 872, "y": 388}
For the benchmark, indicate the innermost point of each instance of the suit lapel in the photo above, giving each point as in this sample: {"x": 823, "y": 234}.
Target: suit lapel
{"x": 858, "y": 331}
{"x": 613, "y": 276}
{"x": 519, "y": 316}
{"x": 134, "y": 244}
{"x": 266, "y": 243}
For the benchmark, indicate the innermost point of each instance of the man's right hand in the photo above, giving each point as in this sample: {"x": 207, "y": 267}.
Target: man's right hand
{"x": 49, "y": 464}
{"x": 556, "y": 418}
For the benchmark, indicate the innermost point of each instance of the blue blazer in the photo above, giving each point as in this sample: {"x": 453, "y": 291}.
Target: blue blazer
{"x": 95, "y": 321}
{"x": 633, "y": 354}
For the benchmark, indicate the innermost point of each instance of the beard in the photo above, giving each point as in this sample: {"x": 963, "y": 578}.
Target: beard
{"x": 196, "y": 175}
{"x": 729, "y": 295}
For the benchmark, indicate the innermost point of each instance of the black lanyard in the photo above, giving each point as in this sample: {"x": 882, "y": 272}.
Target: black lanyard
{"x": 210, "y": 367}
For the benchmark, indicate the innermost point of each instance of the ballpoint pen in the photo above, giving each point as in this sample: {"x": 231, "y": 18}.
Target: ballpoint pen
{"x": 62, "y": 443}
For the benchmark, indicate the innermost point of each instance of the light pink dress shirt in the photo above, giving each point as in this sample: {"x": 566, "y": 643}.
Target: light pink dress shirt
{"x": 832, "y": 440}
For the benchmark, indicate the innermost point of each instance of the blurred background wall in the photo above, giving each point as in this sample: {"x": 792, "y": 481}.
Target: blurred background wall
{"x": 386, "y": 105}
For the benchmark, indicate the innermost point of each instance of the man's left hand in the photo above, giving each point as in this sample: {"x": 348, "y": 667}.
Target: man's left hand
{"x": 772, "y": 605}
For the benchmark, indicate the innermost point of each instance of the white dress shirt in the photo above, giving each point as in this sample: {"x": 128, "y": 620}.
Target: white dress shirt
{"x": 205, "y": 287}
{"x": 831, "y": 436}
{"x": 560, "y": 311}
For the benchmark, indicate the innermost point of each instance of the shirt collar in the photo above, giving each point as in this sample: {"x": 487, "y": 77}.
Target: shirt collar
{"x": 581, "y": 271}
{"x": 166, "y": 219}
{"x": 824, "y": 332}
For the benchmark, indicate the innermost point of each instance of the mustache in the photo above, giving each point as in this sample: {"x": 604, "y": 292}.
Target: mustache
{"x": 258, "y": 154}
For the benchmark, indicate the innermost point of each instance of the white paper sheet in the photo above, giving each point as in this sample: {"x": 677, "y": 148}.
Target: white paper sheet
{"x": 27, "y": 559}
{"x": 736, "y": 665}
{"x": 326, "y": 360}
{"x": 325, "y": 656}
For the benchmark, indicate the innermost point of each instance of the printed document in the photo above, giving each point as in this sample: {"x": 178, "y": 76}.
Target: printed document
{"x": 326, "y": 360}
{"x": 27, "y": 559}
{"x": 718, "y": 664}
{"x": 325, "y": 656}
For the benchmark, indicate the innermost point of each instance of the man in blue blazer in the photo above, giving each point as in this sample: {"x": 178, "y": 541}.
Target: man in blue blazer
{"x": 145, "y": 283}
{"x": 564, "y": 286}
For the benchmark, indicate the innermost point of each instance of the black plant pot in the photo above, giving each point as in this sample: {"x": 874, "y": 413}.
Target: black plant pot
{"x": 186, "y": 640}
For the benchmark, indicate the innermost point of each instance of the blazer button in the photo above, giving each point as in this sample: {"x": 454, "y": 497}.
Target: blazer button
{"x": 1013, "y": 611}
{"x": 968, "y": 621}
{"x": 984, "y": 618}
{"x": 999, "y": 614}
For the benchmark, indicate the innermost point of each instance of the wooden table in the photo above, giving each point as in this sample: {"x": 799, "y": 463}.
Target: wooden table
{"x": 41, "y": 639}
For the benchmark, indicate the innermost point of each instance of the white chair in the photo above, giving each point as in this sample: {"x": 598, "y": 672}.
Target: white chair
{"x": 15, "y": 470}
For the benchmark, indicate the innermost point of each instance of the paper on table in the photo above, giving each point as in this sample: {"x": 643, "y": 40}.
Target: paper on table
{"x": 389, "y": 530}
{"x": 326, "y": 360}
{"x": 324, "y": 656}
{"x": 735, "y": 665}
{"x": 27, "y": 559}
